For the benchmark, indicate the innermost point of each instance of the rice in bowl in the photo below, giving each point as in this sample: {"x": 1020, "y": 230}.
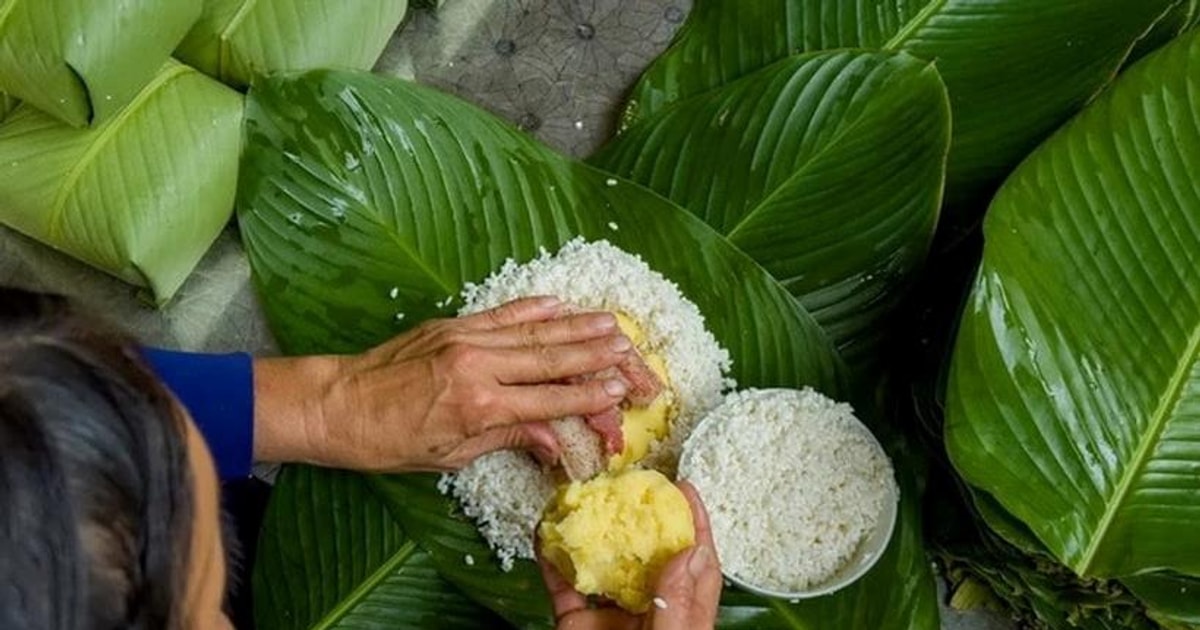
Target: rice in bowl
{"x": 506, "y": 492}
{"x": 794, "y": 485}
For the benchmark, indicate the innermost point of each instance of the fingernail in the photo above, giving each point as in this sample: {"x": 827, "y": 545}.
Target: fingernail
{"x": 620, "y": 343}
{"x": 604, "y": 322}
{"x": 615, "y": 387}
{"x": 548, "y": 302}
{"x": 699, "y": 562}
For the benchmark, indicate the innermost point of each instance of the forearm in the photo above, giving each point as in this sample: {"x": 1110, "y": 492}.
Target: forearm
{"x": 289, "y": 398}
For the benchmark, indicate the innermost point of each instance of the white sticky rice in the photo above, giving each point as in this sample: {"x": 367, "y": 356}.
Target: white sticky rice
{"x": 507, "y": 492}
{"x": 793, "y": 483}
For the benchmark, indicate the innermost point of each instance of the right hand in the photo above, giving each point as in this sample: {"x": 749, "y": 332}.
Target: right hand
{"x": 690, "y": 584}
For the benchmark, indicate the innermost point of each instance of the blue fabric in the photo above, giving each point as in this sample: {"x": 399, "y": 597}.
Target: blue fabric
{"x": 218, "y": 390}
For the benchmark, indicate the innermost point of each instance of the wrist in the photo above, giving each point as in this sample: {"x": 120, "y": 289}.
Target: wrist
{"x": 290, "y": 397}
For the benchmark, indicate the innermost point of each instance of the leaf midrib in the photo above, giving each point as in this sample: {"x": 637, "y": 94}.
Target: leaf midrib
{"x": 224, "y": 48}
{"x": 801, "y": 169}
{"x": 912, "y": 26}
{"x": 102, "y": 139}
{"x": 1158, "y": 422}
{"x": 368, "y": 586}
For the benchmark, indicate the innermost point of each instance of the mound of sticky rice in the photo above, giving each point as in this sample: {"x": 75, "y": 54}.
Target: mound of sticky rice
{"x": 507, "y": 492}
{"x": 793, "y": 483}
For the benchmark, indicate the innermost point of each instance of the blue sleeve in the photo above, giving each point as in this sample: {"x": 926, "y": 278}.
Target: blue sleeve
{"x": 218, "y": 391}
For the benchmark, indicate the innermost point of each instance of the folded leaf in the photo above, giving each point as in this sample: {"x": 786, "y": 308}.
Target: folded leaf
{"x": 319, "y": 519}
{"x": 141, "y": 196}
{"x": 237, "y": 40}
{"x": 1075, "y": 391}
{"x": 81, "y": 61}
{"x": 829, "y": 174}
{"x": 1016, "y": 69}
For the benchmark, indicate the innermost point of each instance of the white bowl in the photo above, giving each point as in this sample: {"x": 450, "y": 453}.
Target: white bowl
{"x": 864, "y": 557}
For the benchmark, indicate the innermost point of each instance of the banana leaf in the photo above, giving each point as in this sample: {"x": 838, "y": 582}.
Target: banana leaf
{"x": 1073, "y": 390}
{"x": 1174, "y": 22}
{"x": 237, "y": 40}
{"x": 7, "y": 104}
{"x": 82, "y": 61}
{"x": 354, "y": 185}
{"x": 1015, "y": 69}
{"x": 382, "y": 579}
{"x": 141, "y": 196}
{"x": 1173, "y": 599}
{"x": 830, "y": 176}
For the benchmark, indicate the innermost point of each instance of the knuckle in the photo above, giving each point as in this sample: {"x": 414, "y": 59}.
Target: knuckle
{"x": 461, "y": 356}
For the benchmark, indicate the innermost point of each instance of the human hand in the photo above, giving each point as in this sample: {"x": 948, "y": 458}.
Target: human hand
{"x": 442, "y": 394}
{"x": 690, "y": 585}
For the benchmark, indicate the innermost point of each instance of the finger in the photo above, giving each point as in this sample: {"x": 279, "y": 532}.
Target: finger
{"x": 542, "y": 364}
{"x": 709, "y": 582}
{"x": 538, "y": 439}
{"x": 699, "y": 514}
{"x": 531, "y": 309}
{"x": 569, "y": 329}
{"x": 542, "y": 403}
{"x": 674, "y": 593}
{"x": 565, "y": 598}
{"x": 600, "y": 619}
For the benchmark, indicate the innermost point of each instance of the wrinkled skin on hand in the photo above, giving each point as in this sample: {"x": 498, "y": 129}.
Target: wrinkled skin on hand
{"x": 441, "y": 395}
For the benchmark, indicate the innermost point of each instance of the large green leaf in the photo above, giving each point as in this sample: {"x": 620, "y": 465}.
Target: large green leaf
{"x": 237, "y": 40}
{"x": 1170, "y": 597}
{"x": 81, "y": 61}
{"x": 355, "y": 184}
{"x": 141, "y": 196}
{"x": 830, "y": 176}
{"x": 331, "y": 556}
{"x": 1074, "y": 394}
{"x": 1174, "y": 22}
{"x": 1016, "y": 69}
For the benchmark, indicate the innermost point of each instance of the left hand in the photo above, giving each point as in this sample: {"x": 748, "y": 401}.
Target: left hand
{"x": 442, "y": 394}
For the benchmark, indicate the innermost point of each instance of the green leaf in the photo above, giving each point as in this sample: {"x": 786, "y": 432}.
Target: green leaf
{"x": 81, "y": 61}
{"x": 1015, "y": 69}
{"x": 1170, "y": 597}
{"x": 1171, "y": 24}
{"x": 840, "y": 160}
{"x": 1074, "y": 388}
{"x": 439, "y": 526}
{"x": 7, "y": 104}
{"x": 237, "y": 40}
{"x": 331, "y": 556}
{"x": 141, "y": 196}
{"x": 353, "y": 185}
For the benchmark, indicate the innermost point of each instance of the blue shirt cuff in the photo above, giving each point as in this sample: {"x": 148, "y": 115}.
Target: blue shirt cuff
{"x": 218, "y": 391}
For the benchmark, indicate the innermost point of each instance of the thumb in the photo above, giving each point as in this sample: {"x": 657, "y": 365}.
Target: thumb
{"x": 677, "y": 606}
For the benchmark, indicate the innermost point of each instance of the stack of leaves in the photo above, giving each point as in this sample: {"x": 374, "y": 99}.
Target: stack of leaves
{"x": 126, "y": 159}
{"x": 1072, "y": 400}
{"x": 801, "y": 152}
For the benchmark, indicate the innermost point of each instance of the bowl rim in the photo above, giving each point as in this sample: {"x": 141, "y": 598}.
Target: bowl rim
{"x": 865, "y": 556}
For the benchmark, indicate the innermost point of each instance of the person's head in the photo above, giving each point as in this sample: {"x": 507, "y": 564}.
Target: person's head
{"x": 109, "y": 511}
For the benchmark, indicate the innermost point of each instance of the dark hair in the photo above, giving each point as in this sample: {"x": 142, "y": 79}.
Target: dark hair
{"x": 95, "y": 487}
